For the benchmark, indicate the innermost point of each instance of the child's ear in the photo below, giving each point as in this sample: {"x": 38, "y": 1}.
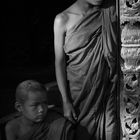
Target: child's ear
{"x": 18, "y": 106}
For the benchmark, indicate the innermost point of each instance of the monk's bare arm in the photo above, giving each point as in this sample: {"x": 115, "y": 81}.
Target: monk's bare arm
{"x": 60, "y": 64}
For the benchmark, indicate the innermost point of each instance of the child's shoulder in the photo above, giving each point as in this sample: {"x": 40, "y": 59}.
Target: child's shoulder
{"x": 13, "y": 125}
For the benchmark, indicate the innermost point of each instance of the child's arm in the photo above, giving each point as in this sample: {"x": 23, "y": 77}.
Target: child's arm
{"x": 10, "y": 131}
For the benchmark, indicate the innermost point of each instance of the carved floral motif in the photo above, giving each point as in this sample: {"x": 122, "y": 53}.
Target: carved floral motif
{"x": 130, "y": 53}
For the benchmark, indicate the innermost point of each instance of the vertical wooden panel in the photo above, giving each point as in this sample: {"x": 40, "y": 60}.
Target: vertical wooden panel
{"x": 130, "y": 53}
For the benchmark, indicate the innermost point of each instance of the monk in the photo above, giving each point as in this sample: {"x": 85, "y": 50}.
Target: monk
{"x": 86, "y": 51}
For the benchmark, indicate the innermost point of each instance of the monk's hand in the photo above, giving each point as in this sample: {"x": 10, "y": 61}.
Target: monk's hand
{"x": 69, "y": 112}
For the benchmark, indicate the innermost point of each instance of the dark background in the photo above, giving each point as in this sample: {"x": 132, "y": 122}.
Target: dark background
{"x": 26, "y": 45}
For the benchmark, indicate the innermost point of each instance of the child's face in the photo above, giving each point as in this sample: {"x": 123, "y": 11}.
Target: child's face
{"x": 35, "y": 106}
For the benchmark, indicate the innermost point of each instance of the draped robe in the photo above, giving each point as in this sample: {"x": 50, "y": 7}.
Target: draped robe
{"x": 51, "y": 128}
{"x": 91, "y": 49}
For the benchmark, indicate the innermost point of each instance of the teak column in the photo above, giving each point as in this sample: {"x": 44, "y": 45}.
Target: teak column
{"x": 130, "y": 68}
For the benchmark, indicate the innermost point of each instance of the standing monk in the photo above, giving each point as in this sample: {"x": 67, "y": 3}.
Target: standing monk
{"x": 85, "y": 38}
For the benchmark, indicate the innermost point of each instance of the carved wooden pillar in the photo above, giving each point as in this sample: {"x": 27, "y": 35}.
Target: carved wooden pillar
{"x": 130, "y": 53}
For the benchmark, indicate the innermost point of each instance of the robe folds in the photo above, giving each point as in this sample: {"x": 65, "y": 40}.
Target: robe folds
{"x": 91, "y": 48}
{"x": 53, "y": 127}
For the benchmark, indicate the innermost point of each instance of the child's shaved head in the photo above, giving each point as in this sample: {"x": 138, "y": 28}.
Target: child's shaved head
{"x": 25, "y": 87}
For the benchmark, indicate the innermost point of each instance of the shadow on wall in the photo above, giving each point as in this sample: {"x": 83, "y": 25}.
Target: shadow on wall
{"x": 27, "y": 45}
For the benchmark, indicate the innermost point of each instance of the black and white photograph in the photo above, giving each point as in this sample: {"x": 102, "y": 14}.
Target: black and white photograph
{"x": 70, "y": 70}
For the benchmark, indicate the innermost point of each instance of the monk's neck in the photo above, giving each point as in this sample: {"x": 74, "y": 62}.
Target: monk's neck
{"x": 84, "y": 6}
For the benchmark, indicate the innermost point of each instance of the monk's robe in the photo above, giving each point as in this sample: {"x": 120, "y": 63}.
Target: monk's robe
{"x": 52, "y": 128}
{"x": 91, "y": 50}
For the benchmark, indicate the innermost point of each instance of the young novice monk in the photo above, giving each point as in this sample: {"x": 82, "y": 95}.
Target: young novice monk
{"x": 36, "y": 121}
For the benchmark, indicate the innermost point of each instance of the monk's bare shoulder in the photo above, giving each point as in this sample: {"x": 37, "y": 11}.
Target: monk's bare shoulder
{"x": 61, "y": 20}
